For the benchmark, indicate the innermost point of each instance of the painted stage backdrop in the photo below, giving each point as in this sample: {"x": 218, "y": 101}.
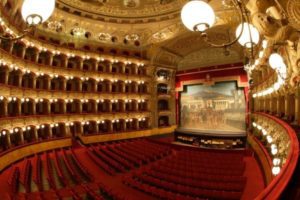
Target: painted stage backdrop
{"x": 217, "y": 108}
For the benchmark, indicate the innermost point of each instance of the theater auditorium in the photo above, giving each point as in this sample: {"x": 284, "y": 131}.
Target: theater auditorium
{"x": 149, "y": 99}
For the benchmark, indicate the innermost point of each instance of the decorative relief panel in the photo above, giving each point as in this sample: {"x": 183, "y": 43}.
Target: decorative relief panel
{"x": 208, "y": 57}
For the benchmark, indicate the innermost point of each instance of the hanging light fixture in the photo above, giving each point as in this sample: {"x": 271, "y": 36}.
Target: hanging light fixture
{"x": 276, "y": 62}
{"x": 248, "y": 36}
{"x": 198, "y": 16}
{"x": 34, "y": 13}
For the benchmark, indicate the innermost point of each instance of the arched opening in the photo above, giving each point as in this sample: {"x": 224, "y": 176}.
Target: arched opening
{"x": 28, "y": 80}
{"x": 13, "y": 107}
{"x": 27, "y": 106}
{"x": 163, "y": 121}
{"x": 19, "y": 49}
{"x": 31, "y": 54}
{"x": 57, "y": 106}
{"x": 14, "y": 78}
{"x": 89, "y": 85}
{"x": 162, "y": 88}
{"x": 42, "y": 107}
{"x": 163, "y": 105}
{"x": 57, "y": 83}
{"x": 74, "y": 85}
{"x": 74, "y": 63}
{"x": 44, "y": 58}
{"x": 43, "y": 131}
{"x": 89, "y": 65}
{"x": 42, "y": 82}
{"x": 29, "y": 134}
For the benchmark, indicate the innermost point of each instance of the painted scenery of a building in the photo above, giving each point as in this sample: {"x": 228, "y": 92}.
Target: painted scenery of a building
{"x": 220, "y": 107}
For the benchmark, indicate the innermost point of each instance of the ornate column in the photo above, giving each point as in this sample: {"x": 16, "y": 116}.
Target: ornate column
{"x": 6, "y": 76}
{"x": 5, "y": 107}
{"x": 50, "y": 61}
{"x": 97, "y": 127}
{"x": 48, "y": 83}
{"x": 110, "y": 106}
{"x": 34, "y": 107}
{"x": 80, "y": 63}
{"x": 79, "y": 85}
{"x": 48, "y": 107}
{"x": 64, "y": 61}
{"x": 297, "y": 106}
{"x": 36, "y": 136}
{"x": 67, "y": 130}
{"x": 137, "y": 124}
{"x": 80, "y": 107}
{"x": 286, "y": 106}
{"x": 36, "y": 56}
{"x": 19, "y": 107}
{"x": 23, "y": 53}
{"x": 278, "y": 105}
{"x": 64, "y": 82}
{"x": 110, "y": 126}
{"x": 20, "y": 77}
{"x": 109, "y": 87}
{"x": 50, "y": 132}
{"x": 21, "y": 136}
{"x": 34, "y": 81}
{"x": 8, "y": 140}
{"x": 124, "y": 125}
{"x": 64, "y": 107}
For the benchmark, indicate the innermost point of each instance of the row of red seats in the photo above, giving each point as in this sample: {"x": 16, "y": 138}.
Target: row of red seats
{"x": 198, "y": 175}
{"x": 92, "y": 194}
{"x": 239, "y": 170}
{"x": 25, "y": 174}
{"x": 117, "y": 167}
{"x": 13, "y": 179}
{"x": 126, "y": 156}
{"x": 79, "y": 192}
{"x": 100, "y": 163}
{"x": 118, "y": 158}
{"x": 74, "y": 175}
{"x": 147, "y": 149}
{"x": 221, "y": 157}
{"x": 230, "y": 186}
{"x": 81, "y": 167}
{"x": 58, "y": 169}
{"x": 150, "y": 147}
{"x": 207, "y": 163}
{"x": 49, "y": 172}
{"x": 158, "y": 192}
{"x": 126, "y": 149}
{"x": 36, "y": 174}
{"x": 201, "y": 170}
{"x": 187, "y": 190}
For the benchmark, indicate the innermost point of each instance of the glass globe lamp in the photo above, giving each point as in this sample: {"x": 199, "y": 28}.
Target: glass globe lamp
{"x": 35, "y": 12}
{"x": 276, "y": 170}
{"x": 275, "y": 61}
{"x": 249, "y": 35}
{"x": 197, "y": 15}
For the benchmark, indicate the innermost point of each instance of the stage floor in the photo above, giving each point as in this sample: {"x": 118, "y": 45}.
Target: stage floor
{"x": 214, "y": 133}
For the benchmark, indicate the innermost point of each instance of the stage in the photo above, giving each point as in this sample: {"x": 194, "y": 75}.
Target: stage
{"x": 211, "y": 139}
{"x": 212, "y": 133}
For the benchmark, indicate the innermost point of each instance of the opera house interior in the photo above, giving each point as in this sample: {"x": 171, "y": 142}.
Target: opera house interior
{"x": 149, "y": 99}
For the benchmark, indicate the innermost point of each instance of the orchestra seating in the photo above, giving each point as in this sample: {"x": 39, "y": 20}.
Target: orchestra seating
{"x": 192, "y": 174}
{"x": 147, "y": 167}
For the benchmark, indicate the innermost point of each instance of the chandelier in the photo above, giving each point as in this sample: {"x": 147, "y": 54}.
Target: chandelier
{"x": 198, "y": 16}
{"x": 34, "y": 13}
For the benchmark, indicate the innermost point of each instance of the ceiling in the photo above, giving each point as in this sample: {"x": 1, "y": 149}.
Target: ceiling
{"x": 142, "y": 25}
